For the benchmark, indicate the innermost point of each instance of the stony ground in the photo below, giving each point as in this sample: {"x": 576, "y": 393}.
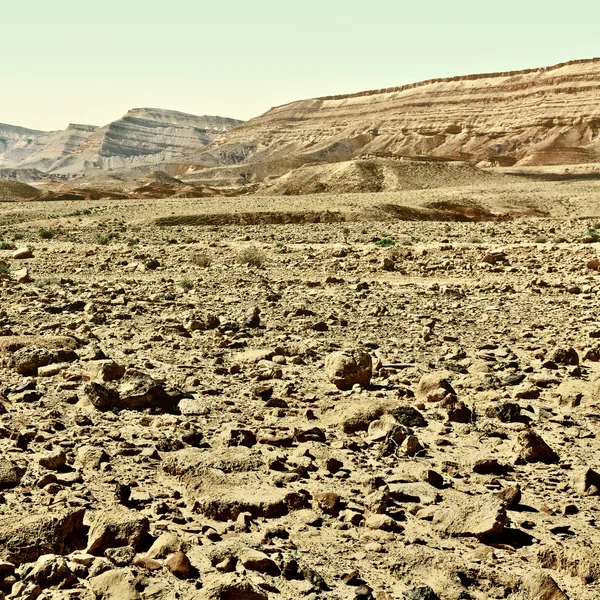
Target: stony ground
{"x": 294, "y": 411}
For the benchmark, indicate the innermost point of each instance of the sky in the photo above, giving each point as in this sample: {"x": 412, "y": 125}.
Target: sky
{"x": 89, "y": 61}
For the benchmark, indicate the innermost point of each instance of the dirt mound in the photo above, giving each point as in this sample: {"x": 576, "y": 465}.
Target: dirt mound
{"x": 252, "y": 218}
{"x": 16, "y": 190}
{"x": 559, "y": 156}
{"x": 376, "y": 175}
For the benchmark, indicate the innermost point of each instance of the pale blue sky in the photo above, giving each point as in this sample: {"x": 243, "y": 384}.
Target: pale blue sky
{"x": 90, "y": 61}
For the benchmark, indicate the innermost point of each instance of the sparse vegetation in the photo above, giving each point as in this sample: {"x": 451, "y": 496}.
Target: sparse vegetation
{"x": 106, "y": 238}
{"x": 79, "y": 213}
{"x": 202, "y": 259}
{"x": 385, "y": 242}
{"x": 132, "y": 241}
{"x": 594, "y": 234}
{"x": 6, "y": 246}
{"x": 252, "y": 256}
{"x": 187, "y": 284}
{"x": 46, "y": 234}
{"x": 4, "y": 270}
{"x": 44, "y": 281}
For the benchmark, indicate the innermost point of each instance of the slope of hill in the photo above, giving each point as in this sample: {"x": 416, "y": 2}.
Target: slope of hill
{"x": 16, "y": 190}
{"x": 376, "y": 175}
{"x": 142, "y": 136}
{"x": 532, "y": 117}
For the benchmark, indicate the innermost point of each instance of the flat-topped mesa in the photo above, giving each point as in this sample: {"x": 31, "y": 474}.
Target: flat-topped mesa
{"x": 504, "y": 118}
{"x": 81, "y": 127}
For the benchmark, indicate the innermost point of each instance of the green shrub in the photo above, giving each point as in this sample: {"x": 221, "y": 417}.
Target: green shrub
{"x": 46, "y": 234}
{"x": 595, "y": 235}
{"x": 4, "y": 270}
{"x": 187, "y": 284}
{"x": 105, "y": 239}
{"x": 386, "y": 242}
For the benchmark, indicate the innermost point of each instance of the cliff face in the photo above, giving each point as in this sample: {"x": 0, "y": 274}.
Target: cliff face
{"x": 142, "y": 136}
{"x": 540, "y": 116}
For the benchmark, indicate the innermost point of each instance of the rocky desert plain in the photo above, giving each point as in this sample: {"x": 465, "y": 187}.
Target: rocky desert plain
{"x": 349, "y": 349}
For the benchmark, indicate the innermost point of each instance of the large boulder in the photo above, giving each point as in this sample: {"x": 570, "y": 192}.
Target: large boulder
{"x": 26, "y": 538}
{"x": 10, "y": 474}
{"x": 136, "y": 391}
{"x": 116, "y": 584}
{"x": 532, "y": 448}
{"x": 115, "y": 528}
{"x": 435, "y": 387}
{"x": 348, "y": 368}
{"x": 483, "y": 517}
{"x": 230, "y": 587}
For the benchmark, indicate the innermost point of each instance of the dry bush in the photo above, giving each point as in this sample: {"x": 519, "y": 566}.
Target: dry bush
{"x": 252, "y": 256}
{"x": 202, "y": 259}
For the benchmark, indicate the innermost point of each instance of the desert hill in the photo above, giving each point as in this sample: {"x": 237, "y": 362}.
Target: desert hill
{"x": 539, "y": 116}
{"x": 142, "y": 136}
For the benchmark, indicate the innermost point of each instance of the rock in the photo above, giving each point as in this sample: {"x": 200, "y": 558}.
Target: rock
{"x": 411, "y": 445}
{"x": 116, "y": 527}
{"x": 423, "y": 592}
{"x": 435, "y": 387}
{"x": 253, "y": 319}
{"x": 105, "y": 370}
{"x": 117, "y": 584}
{"x": 328, "y": 502}
{"x": 383, "y": 522}
{"x": 482, "y": 517}
{"x": 507, "y": 412}
{"x": 167, "y": 543}
{"x": 122, "y": 556}
{"x": 408, "y": 416}
{"x": 230, "y": 587}
{"x": 179, "y": 564}
{"x": 22, "y": 276}
{"x": 459, "y": 412}
{"x": 393, "y": 440}
{"x": 10, "y": 474}
{"x": 586, "y": 482}
{"x": 433, "y": 478}
{"x": 532, "y": 448}
{"x": 237, "y": 437}
{"x": 489, "y": 466}
{"x": 12, "y": 343}
{"x": 259, "y": 561}
{"x": 47, "y": 571}
{"x": 136, "y": 391}
{"x": 511, "y": 496}
{"x": 26, "y": 361}
{"x": 26, "y": 538}
{"x": 229, "y": 483}
{"x": 348, "y": 368}
{"x": 91, "y": 457}
{"x": 55, "y": 460}
{"x": 23, "y": 253}
{"x": 543, "y": 587}
{"x": 565, "y": 356}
